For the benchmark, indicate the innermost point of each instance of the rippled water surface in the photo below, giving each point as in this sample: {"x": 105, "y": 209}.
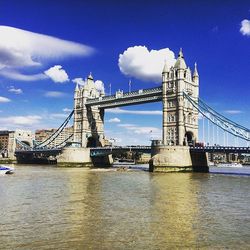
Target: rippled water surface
{"x": 53, "y": 208}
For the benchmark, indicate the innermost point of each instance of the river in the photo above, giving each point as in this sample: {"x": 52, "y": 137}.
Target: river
{"x": 44, "y": 207}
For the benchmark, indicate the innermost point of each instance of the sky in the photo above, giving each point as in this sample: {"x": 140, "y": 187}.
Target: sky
{"x": 48, "y": 46}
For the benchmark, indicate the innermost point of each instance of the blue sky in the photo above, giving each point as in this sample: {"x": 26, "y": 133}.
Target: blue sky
{"x": 92, "y": 36}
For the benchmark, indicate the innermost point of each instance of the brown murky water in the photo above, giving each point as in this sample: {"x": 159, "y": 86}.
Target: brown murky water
{"x": 51, "y": 208}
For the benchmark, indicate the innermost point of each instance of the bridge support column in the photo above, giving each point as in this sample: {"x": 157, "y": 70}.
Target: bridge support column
{"x": 74, "y": 157}
{"x": 177, "y": 159}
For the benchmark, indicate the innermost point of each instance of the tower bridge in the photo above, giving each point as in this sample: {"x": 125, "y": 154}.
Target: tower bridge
{"x": 181, "y": 106}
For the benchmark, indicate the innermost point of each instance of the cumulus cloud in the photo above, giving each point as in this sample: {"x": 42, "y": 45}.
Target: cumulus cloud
{"x": 54, "y": 94}
{"x": 99, "y": 86}
{"x": 245, "y": 27}
{"x": 98, "y": 83}
{"x": 21, "y": 120}
{"x": 4, "y": 99}
{"x": 57, "y": 74}
{"x": 114, "y": 120}
{"x": 79, "y": 81}
{"x": 14, "y": 90}
{"x": 144, "y": 64}
{"x": 136, "y": 112}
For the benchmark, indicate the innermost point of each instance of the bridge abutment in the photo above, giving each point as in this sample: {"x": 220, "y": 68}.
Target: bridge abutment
{"x": 170, "y": 159}
{"x": 177, "y": 159}
{"x": 74, "y": 157}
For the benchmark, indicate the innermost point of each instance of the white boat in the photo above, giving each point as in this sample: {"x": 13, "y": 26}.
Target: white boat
{"x": 229, "y": 165}
{"x": 6, "y": 170}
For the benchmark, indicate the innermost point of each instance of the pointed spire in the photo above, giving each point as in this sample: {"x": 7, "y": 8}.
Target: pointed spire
{"x": 180, "y": 62}
{"x": 195, "y": 74}
{"x": 180, "y": 53}
{"x": 165, "y": 68}
{"x": 77, "y": 87}
{"x": 90, "y": 76}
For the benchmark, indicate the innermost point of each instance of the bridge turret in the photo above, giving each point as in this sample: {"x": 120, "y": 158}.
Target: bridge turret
{"x": 180, "y": 121}
{"x": 180, "y": 62}
{"x": 77, "y": 89}
{"x": 195, "y": 75}
{"x": 165, "y": 72}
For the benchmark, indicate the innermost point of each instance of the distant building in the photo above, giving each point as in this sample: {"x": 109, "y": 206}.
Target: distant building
{"x": 4, "y": 142}
{"x": 43, "y": 134}
{"x": 4, "y": 139}
{"x": 23, "y": 136}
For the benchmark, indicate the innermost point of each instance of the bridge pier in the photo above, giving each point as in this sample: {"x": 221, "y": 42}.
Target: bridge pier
{"x": 177, "y": 159}
{"x": 74, "y": 157}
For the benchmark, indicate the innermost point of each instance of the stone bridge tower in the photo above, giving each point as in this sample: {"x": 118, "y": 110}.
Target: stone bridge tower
{"x": 88, "y": 120}
{"x": 180, "y": 118}
{"x": 180, "y": 122}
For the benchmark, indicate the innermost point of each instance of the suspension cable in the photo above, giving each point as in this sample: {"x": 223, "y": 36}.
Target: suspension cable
{"x": 64, "y": 141}
{"x": 220, "y": 120}
{"x": 56, "y": 133}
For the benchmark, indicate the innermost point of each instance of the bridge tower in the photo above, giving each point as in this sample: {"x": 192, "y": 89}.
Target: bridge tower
{"x": 180, "y": 122}
{"x": 88, "y": 121}
{"x": 180, "y": 118}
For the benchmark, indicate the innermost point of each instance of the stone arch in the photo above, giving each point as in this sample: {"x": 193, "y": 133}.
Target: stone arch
{"x": 91, "y": 143}
{"x": 189, "y": 138}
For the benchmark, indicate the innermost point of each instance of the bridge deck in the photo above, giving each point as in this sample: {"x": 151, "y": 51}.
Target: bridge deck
{"x": 134, "y": 97}
{"x": 144, "y": 149}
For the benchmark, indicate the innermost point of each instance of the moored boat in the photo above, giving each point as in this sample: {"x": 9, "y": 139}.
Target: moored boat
{"x": 6, "y": 170}
{"x": 229, "y": 165}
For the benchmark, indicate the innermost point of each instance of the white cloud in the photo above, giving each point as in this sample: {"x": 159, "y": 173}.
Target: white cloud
{"x": 21, "y": 120}
{"x": 233, "y": 112}
{"x": 114, "y": 120}
{"x": 54, "y": 94}
{"x": 143, "y": 64}
{"x": 20, "y": 48}
{"x": 58, "y": 116}
{"x": 79, "y": 81}
{"x": 100, "y": 86}
{"x": 12, "y": 89}
{"x": 136, "y": 112}
{"x": 57, "y": 74}
{"x": 150, "y": 131}
{"x": 4, "y": 99}
{"x": 245, "y": 27}
{"x": 14, "y": 75}
{"x": 98, "y": 83}
{"x": 67, "y": 110}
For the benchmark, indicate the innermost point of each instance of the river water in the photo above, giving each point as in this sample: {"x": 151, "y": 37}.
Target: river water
{"x": 59, "y": 208}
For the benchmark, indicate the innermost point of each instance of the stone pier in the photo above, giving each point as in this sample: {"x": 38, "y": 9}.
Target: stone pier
{"x": 74, "y": 157}
{"x": 177, "y": 159}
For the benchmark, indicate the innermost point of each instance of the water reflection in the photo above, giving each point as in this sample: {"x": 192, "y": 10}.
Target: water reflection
{"x": 50, "y": 208}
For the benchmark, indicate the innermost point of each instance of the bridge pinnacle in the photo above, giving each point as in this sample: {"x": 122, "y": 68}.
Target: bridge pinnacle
{"x": 165, "y": 68}
{"x": 195, "y": 74}
{"x": 181, "y": 53}
{"x": 90, "y": 76}
{"x": 77, "y": 87}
